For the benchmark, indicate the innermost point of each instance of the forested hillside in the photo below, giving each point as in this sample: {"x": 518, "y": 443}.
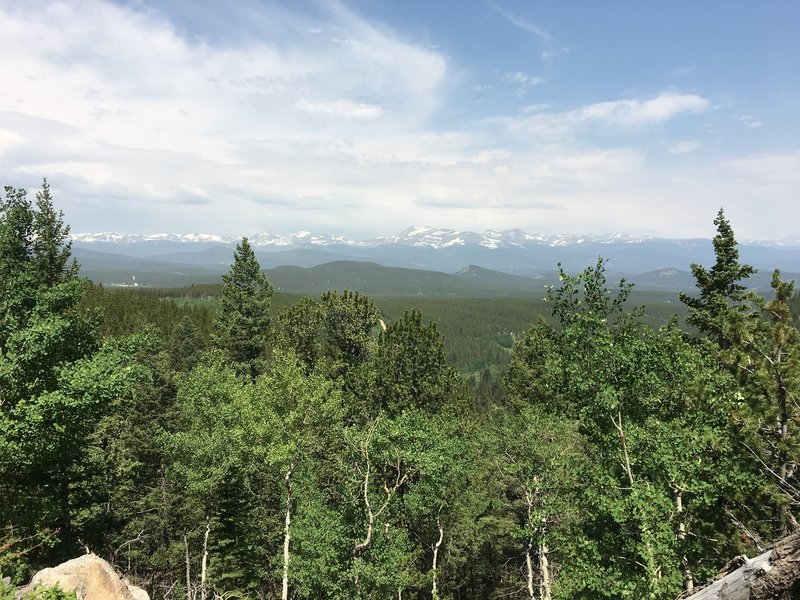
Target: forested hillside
{"x": 330, "y": 447}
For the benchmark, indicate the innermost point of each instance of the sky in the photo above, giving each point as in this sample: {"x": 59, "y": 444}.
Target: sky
{"x": 364, "y": 117}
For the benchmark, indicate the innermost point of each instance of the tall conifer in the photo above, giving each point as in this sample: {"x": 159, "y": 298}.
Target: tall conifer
{"x": 243, "y": 322}
{"x": 721, "y": 294}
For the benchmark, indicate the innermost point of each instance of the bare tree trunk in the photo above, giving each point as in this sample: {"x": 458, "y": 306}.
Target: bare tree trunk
{"x": 529, "y": 547}
{"x": 652, "y": 570}
{"x": 188, "y": 569}
{"x": 361, "y": 546}
{"x": 773, "y": 575}
{"x": 544, "y": 568}
{"x": 688, "y": 578}
{"x": 787, "y": 522}
{"x": 204, "y": 564}
{"x": 434, "y": 586}
{"x": 286, "y": 534}
{"x": 389, "y": 492}
{"x": 529, "y": 565}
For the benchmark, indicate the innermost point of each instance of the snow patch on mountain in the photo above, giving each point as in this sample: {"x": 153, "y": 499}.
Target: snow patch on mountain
{"x": 138, "y": 238}
{"x": 420, "y": 237}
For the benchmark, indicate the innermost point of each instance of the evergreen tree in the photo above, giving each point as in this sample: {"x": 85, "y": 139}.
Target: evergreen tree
{"x": 17, "y": 279}
{"x": 722, "y": 300}
{"x": 348, "y": 320}
{"x": 409, "y": 368}
{"x": 51, "y": 246}
{"x": 243, "y": 321}
{"x": 300, "y": 329}
{"x": 757, "y": 343}
{"x": 56, "y": 380}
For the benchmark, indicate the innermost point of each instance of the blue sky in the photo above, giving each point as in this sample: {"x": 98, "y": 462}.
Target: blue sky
{"x": 364, "y": 117}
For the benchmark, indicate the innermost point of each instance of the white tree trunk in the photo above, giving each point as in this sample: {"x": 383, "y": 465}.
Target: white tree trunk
{"x": 434, "y": 586}
{"x": 286, "y": 534}
{"x": 688, "y": 578}
{"x": 188, "y": 569}
{"x": 529, "y": 548}
{"x": 529, "y": 565}
{"x": 389, "y": 492}
{"x": 204, "y": 564}
{"x": 544, "y": 568}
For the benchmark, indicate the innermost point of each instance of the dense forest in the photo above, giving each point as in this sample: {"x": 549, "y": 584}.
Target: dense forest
{"x": 329, "y": 448}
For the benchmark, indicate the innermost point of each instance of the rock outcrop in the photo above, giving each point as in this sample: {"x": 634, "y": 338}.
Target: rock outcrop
{"x": 90, "y": 577}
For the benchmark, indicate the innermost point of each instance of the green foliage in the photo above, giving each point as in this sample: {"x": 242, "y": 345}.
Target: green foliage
{"x": 57, "y": 380}
{"x": 794, "y": 308}
{"x": 44, "y": 593}
{"x": 758, "y": 343}
{"x": 9, "y": 592}
{"x": 51, "y": 248}
{"x": 334, "y": 334}
{"x": 619, "y": 458}
{"x": 209, "y": 443}
{"x": 639, "y": 398}
{"x": 14, "y": 551}
{"x": 349, "y": 319}
{"x": 243, "y": 320}
{"x": 295, "y": 423}
{"x": 122, "y": 311}
{"x": 409, "y": 368}
{"x": 541, "y": 465}
{"x": 722, "y": 301}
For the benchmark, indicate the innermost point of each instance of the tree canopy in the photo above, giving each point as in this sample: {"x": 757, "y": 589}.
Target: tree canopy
{"x": 332, "y": 450}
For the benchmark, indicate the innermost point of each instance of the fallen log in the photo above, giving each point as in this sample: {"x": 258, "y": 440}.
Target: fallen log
{"x": 773, "y": 575}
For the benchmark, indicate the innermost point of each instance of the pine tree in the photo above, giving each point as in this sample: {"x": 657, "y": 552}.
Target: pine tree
{"x": 56, "y": 381}
{"x": 755, "y": 341}
{"x": 722, "y": 300}
{"x": 51, "y": 248}
{"x": 243, "y": 322}
{"x": 410, "y": 367}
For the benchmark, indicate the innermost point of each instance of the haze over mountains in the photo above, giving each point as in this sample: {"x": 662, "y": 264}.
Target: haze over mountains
{"x": 491, "y": 262}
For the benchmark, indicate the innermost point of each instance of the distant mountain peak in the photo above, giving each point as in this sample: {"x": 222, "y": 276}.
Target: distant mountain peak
{"x": 423, "y": 236}
{"x": 137, "y": 238}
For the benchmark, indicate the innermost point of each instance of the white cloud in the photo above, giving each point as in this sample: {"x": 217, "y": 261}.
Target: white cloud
{"x": 517, "y": 77}
{"x": 523, "y": 24}
{"x": 340, "y": 108}
{"x": 660, "y": 108}
{"x": 524, "y": 81}
{"x": 329, "y": 124}
{"x": 685, "y": 147}
{"x": 523, "y": 78}
{"x": 551, "y": 50}
{"x": 749, "y": 121}
{"x": 552, "y": 53}
{"x": 8, "y": 140}
{"x": 618, "y": 113}
{"x": 767, "y": 169}
{"x": 115, "y": 102}
{"x": 536, "y": 108}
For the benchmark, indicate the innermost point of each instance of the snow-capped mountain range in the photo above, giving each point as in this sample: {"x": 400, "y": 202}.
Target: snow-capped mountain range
{"x": 422, "y": 237}
{"x": 514, "y": 252}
